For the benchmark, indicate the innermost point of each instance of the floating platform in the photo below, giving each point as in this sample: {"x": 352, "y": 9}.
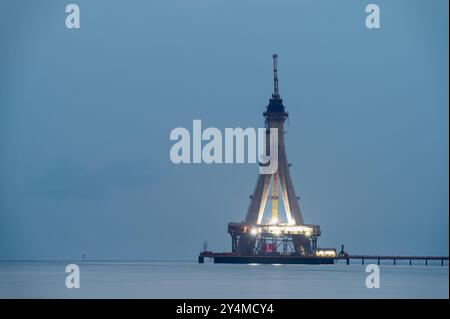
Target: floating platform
{"x": 263, "y": 259}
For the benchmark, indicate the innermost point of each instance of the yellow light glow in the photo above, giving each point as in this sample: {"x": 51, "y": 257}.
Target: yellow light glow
{"x": 326, "y": 253}
{"x": 279, "y": 229}
{"x": 253, "y": 231}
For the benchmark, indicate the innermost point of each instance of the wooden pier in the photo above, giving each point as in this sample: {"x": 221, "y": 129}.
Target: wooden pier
{"x": 363, "y": 258}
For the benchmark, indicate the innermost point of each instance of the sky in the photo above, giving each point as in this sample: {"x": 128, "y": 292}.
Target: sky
{"x": 86, "y": 115}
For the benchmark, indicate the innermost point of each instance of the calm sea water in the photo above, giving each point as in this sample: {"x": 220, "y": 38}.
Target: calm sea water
{"x": 192, "y": 280}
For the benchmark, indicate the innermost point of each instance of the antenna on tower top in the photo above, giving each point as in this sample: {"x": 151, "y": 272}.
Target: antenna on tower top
{"x": 276, "y": 94}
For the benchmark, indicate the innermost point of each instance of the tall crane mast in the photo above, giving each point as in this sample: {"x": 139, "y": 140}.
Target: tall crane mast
{"x": 276, "y": 94}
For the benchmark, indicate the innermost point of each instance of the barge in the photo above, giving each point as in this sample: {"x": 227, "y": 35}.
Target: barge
{"x": 230, "y": 258}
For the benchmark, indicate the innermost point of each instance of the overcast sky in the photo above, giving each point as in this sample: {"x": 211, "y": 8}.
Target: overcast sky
{"x": 85, "y": 118}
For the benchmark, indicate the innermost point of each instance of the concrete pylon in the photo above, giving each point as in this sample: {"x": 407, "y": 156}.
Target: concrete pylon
{"x": 275, "y": 118}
